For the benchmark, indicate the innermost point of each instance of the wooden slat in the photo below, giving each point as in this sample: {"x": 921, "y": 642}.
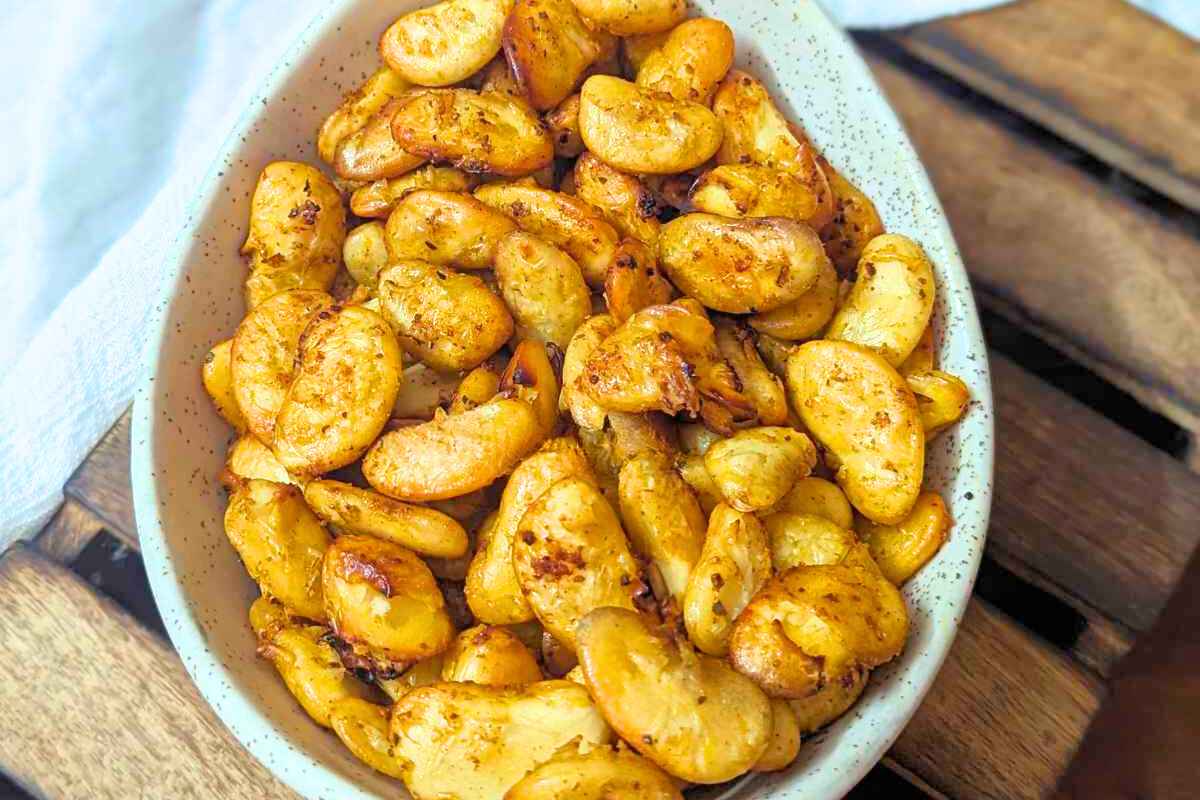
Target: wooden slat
{"x": 1053, "y": 248}
{"x": 1085, "y": 504}
{"x": 102, "y": 482}
{"x": 72, "y": 527}
{"x": 93, "y": 705}
{"x": 1005, "y": 716}
{"x": 1101, "y": 644}
{"x": 1100, "y": 73}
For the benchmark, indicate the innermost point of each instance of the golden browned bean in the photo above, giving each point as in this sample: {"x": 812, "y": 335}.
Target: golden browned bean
{"x": 530, "y": 376}
{"x": 641, "y": 131}
{"x": 665, "y": 358}
{"x": 488, "y": 132}
{"x": 942, "y": 398}
{"x": 751, "y": 190}
{"x": 357, "y": 108}
{"x": 860, "y": 409}
{"x": 785, "y": 738}
{"x": 383, "y": 600}
{"x": 741, "y": 266}
{"x": 347, "y": 376}
{"x": 736, "y": 343}
{"x": 755, "y": 468}
{"x": 663, "y": 518}
{"x": 855, "y": 221}
{"x": 217, "y": 377}
{"x": 756, "y": 132}
{"x": 648, "y": 684}
{"x": 493, "y": 591}
{"x": 563, "y": 123}
{"x": 691, "y": 61}
{"x": 626, "y": 17}
{"x": 371, "y": 154}
{"x": 363, "y": 728}
{"x": 625, "y": 200}
{"x": 297, "y": 226}
{"x": 603, "y": 774}
{"x": 447, "y": 229}
{"x": 634, "y": 281}
{"x": 548, "y": 47}
{"x": 454, "y": 455}
{"x": 805, "y": 317}
{"x": 449, "y": 320}
{"x": 587, "y": 413}
{"x": 379, "y": 198}
{"x": 365, "y": 253}
{"x": 891, "y": 302}
{"x": 571, "y": 556}
{"x": 561, "y": 220}
{"x": 902, "y": 549}
{"x": 477, "y": 387}
{"x": 281, "y": 543}
{"x": 440, "y": 725}
{"x": 356, "y": 510}
{"x": 818, "y": 497}
{"x": 311, "y": 669}
{"x": 544, "y": 288}
{"x": 490, "y": 655}
{"x": 445, "y": 42}
{"x": 733, "y": 566}
{"x": 806, "y": 540}
{"x": 811, "y": 626}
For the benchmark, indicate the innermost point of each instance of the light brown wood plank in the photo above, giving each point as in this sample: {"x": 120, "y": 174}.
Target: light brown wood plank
{"x": 102, "y": 482}
{"x": 1005, "y": 716}
{"x": 93, "y": 705}
{"x": 1053, "y": 248}
{"x": 1085, "y": 504}
{"x": 71, "y": 529}
{"x": 1100, "y": 73}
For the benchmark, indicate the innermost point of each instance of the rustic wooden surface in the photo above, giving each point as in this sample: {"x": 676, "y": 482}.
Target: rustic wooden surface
{"x": 92, "y": 705}
{"x": 102, "y": 482}
{"x": 1059, "y": 252}
{"x": 1003, "y": 719}
{"x": 1099, "y": 73}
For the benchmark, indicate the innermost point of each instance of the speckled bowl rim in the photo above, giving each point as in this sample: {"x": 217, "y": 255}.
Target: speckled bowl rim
{"x": 241, "y": 712}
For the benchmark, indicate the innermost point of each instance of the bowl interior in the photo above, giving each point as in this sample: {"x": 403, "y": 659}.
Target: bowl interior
{"x": 179, "y": 442}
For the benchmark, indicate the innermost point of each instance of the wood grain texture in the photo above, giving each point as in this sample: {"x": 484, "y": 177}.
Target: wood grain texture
{"x": 1054, "y": 249}
{"x": 102, "y": 482}
{"x": 1085, "y": 504}
{"x": 1005, "y": 716}
{"x": 1101, "y": 644}
{"x": 71, "y": 529}
{"x": 93, "y": 705}
{"x": 1100, "y": 73}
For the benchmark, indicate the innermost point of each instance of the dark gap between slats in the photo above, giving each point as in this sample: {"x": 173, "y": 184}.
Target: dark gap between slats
{"x": 1067, "y": 375}
{"x": 878, "y": 44}
{"x": 11, "y": 791}
{"x": 117, "y": 571}
{"x": 882, "y": 782}
{"x": 1039, "y": 611}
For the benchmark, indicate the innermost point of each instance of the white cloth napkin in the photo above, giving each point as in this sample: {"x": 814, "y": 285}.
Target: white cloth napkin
{"x": 110, "y": 115}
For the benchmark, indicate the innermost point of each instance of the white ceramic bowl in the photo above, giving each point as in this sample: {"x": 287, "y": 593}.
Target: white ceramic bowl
{"x": 179, "y": 442}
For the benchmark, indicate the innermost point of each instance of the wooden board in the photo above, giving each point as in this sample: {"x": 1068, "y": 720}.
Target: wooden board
{"x": 1085, "y": 504}
{"x": 102, "y": 482}
{"x": 1005, "y": 716}
{"x": 92, "y": 705}
{"x": 1108, "y": 77}
{"x": 1056, "y": 250}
